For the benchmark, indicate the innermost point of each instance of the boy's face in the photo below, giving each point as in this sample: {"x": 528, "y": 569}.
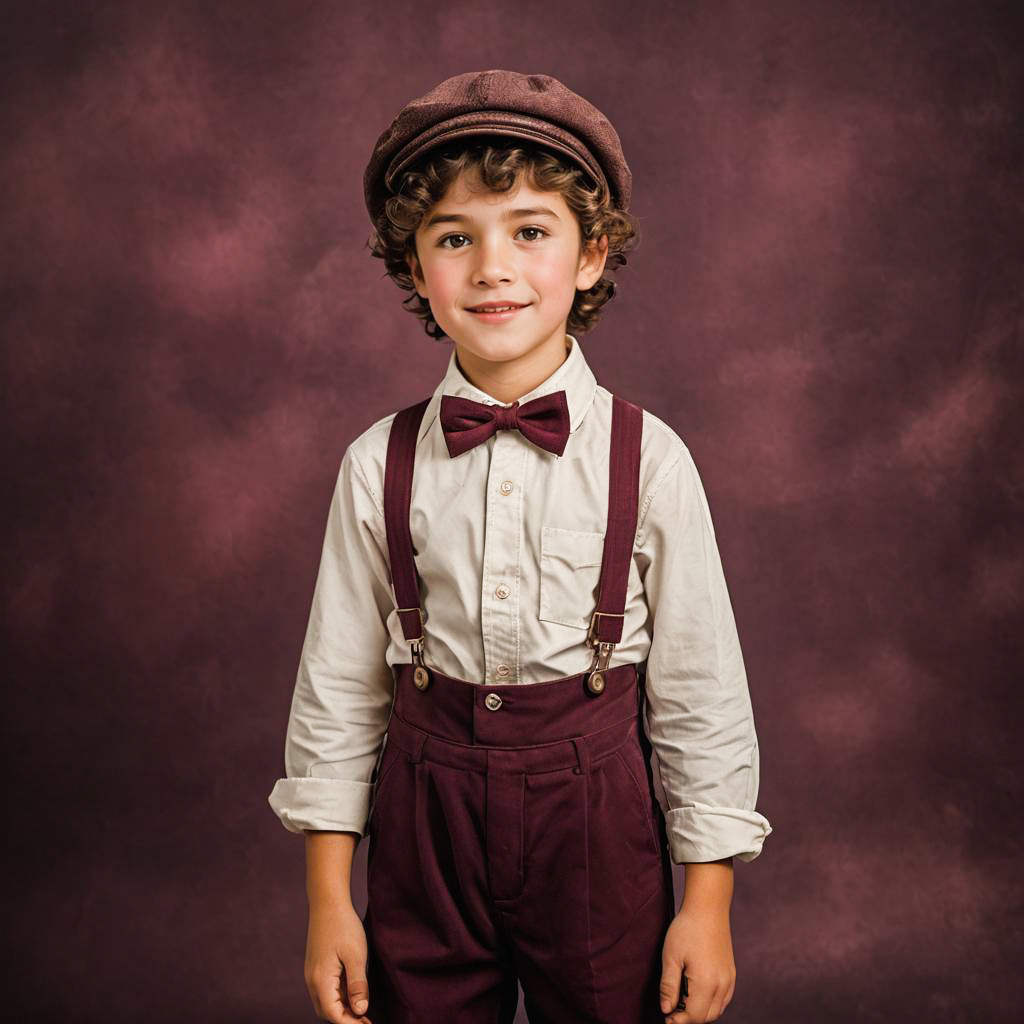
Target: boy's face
{"x": 476, "y": 246}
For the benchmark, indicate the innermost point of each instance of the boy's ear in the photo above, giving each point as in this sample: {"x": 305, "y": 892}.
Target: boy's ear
{"x": 592, "y": 261}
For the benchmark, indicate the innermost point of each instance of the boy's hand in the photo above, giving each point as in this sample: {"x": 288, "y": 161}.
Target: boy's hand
{"x": 335, "y": 968}
{"x": 699, "y": 944}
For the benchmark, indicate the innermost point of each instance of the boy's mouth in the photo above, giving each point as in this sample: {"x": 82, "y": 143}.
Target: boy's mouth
{"x": 495, "y": 313}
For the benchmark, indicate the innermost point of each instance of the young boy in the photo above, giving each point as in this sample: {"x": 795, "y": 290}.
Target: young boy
{"x": 520, "y": 598}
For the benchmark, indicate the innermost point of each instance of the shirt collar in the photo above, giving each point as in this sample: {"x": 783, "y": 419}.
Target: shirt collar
{"x": 574, "y": 376}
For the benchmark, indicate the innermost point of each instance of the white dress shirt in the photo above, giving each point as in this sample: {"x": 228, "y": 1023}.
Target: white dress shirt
{"x": 508, "y": 540}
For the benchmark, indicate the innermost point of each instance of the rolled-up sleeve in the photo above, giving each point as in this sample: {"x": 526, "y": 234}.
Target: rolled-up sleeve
{"x": 699, "y": 714}
{"x": 344, "y": 687}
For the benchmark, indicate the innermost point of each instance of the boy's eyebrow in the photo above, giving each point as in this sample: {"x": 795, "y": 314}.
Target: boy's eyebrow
{"x": 458, "y": 218}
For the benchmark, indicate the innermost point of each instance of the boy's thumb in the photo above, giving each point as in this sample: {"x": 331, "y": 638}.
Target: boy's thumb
{"x": 358, "y": 991}
{"x": 669, "y": 991}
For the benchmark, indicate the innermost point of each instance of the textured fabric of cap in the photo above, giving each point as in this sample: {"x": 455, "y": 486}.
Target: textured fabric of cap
{"x": 535, "y": 108}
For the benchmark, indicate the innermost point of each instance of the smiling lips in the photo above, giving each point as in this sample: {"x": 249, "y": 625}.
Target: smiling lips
{"x": 496, "y": 307}
{"x": 495, "y": 314}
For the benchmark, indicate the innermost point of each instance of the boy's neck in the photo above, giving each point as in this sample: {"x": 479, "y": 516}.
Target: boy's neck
{"x": 507, "y": 382}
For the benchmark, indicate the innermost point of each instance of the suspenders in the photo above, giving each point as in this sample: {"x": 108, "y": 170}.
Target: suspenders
{"x": 605, "y": 629}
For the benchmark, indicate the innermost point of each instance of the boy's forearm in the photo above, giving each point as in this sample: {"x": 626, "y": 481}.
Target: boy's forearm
{"x": 708, "y": 886}
{"x": 329, "y": 866}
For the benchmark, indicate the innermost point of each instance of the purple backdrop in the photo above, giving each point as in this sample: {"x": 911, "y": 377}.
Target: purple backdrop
{"x": 826, "y": 304}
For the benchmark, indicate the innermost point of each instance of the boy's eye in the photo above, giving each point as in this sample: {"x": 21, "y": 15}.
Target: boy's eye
{"x": 441, "y": 243}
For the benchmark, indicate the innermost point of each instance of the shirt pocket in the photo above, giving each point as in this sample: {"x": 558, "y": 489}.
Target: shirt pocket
{"x": 570, "y": 570}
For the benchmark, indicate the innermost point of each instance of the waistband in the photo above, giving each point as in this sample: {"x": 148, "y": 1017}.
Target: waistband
{"x": 577, "y": 752}
{"x": 514, "y": 715}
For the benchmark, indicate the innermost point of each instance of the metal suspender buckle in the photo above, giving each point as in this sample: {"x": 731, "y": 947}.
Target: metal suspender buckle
{"x": 595, "y": 674}
{"x": 591, "y": 632}
{"x": 421, "y": 674}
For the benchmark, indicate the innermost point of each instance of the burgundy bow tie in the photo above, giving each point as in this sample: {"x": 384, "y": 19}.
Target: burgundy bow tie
{"x": 544, "y": 421}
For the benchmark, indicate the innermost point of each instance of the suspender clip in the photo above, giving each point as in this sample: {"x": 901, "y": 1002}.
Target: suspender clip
{"x": 595, "y": 674}
{"x": 421, "y": 674}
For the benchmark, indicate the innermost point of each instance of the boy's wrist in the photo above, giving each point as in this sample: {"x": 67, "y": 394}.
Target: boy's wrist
{"x": 708, "y": 887}
{"x": 329, "y": 901}
{"x": 329, "y": 869}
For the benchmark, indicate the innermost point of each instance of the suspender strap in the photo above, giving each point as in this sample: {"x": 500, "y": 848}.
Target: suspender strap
{"x": 397, "y": 499}
{"x": 623, "y": 501}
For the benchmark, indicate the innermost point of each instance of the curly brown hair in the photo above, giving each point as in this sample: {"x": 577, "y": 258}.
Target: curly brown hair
{"x": 500, "y": 167}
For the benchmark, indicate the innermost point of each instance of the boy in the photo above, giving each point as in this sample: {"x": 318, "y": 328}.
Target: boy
{"x": 520, "y": 597}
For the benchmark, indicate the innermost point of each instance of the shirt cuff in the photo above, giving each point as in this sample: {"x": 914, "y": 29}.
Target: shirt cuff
{"x": 700, "y": 832}
{"x": 322, "y": 805}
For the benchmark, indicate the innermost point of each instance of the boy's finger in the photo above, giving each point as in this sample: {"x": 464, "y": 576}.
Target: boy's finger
{"x": 673, "y": 987}
{"x": 327, "y": 999}
{"x": 358, "y": 990}
{"x": 669, "y": 988}
{"x": 715, "y": 1009}
{"x": 698, "y": 1005}
{"x": 357, "y": 998}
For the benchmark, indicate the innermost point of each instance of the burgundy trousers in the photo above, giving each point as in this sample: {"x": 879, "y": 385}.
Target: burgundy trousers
{"x": 515, "y": 837}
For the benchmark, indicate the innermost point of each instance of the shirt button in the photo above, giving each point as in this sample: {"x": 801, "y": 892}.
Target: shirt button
{"x": 493, "y": 701}
{"x": 506, "y": 486}
{"x": 503, "y": 670}
{"x": 502, "y": 591}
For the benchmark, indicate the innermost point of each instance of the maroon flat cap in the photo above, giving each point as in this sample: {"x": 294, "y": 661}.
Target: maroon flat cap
{"x": 537, "y": 108}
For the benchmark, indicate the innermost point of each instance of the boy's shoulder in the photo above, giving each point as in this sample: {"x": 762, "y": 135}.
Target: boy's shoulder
{"x": 368, "y": 451}
{"x": 659, "y": 439}
{"x": 662, "y": 452}
{"x": 373, "y": 437}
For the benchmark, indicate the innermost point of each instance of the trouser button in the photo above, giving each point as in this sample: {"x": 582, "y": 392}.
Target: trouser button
{"x": 493, "y": 701}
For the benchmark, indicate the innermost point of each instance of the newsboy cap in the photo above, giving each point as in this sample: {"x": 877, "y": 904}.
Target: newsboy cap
{"x": 537, "y": 108}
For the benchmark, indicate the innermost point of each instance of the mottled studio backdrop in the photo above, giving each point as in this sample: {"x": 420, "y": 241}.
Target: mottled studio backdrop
{"x": 826, "y": 305}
